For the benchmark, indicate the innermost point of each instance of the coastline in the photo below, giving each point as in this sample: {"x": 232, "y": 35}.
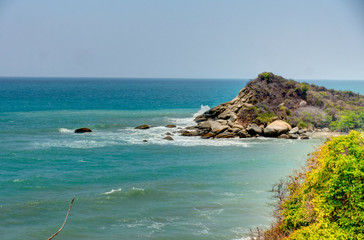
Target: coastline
{"x": 327, "y": 135}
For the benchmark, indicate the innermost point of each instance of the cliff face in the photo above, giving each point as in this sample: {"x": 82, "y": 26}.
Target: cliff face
{"x": 269, "y": 98}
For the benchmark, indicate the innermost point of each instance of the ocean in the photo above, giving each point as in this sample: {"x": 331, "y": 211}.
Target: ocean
{"x": 125, "y": 188}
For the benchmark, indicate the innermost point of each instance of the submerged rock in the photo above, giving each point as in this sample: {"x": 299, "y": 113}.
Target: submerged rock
{"x": 83, "y": 130}
{"x": 189, "y": 133}
{"x": 171, "y": 126}
{"x": 168, "y": 138}
{"x": 144, "y": 126}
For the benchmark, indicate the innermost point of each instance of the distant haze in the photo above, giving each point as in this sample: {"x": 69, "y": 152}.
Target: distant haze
{"x": 312, "y": 39}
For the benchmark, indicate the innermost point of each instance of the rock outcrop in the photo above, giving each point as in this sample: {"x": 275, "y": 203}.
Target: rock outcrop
{"x": 83, "y": 130}
{"x": 270, "y": 106}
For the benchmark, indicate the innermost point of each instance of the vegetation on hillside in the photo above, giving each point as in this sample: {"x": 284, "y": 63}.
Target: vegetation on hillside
{"x": 324, "y": 200}
{"x": 301, "y": 104}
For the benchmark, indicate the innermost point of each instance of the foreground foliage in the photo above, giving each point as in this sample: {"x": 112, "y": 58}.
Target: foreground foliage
{"x": 325, "y": 200}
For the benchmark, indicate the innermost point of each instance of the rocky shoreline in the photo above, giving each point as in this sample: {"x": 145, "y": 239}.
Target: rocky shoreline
{"x": 254, "y": 131}
{"x": 277, "y": 129}
{"x": 271, "y": 106}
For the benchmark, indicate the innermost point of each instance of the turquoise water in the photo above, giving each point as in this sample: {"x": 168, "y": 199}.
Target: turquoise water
{"x": 189, "y": 188}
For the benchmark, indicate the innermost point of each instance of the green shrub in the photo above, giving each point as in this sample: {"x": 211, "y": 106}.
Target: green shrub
{"x": 349, "y": 120}
{"x": 265, "y": 117}
{"x": 329, "y": 201}
{"x": 286, "y": 110}
{"x": 303, "y": 124}
{"x": 266, "y": 75}
{"x": 304, "y": 88}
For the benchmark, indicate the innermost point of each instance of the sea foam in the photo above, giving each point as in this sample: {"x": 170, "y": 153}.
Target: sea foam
{"x": 131, "y": 136}
{"x": 65, "y": 130}
{"x": 112, "y": 191}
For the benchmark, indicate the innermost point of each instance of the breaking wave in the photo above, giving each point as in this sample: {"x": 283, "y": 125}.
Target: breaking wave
{"x": 131, "y": 136}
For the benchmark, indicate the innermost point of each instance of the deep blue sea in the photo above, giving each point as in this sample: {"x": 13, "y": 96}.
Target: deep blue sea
{"x": 185, "y": 189}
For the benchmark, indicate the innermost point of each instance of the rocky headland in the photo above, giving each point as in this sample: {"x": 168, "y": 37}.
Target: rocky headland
{"x": 273, "y": 106}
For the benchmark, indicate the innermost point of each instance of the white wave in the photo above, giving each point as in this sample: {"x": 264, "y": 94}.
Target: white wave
{"x": 156, "y": 135}
{"x": 78, "y": 144}
{"x": 112, "y": 191}
{"x": 153, "y": 135}
{"x": 156, "y": 226}
{"x": 184, "y": 122}
{"x": 65, "y": 130}
{"x": 146, "y": 223}
{"x": 203, "y": 229}
{"x": 204, "y": 108}
{"x": 131, "y": 136}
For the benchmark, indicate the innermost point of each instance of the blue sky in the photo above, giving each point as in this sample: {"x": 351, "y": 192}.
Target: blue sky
{"x": 311, "y": 39}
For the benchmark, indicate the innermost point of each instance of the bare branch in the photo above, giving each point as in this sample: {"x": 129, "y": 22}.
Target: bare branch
{"x": 64, "y": 220}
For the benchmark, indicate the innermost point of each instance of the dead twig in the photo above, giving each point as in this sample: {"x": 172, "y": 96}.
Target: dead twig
{"x": 64, "y": 220}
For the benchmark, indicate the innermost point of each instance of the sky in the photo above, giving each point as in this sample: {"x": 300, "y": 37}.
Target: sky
{"x": 311, "y": 39}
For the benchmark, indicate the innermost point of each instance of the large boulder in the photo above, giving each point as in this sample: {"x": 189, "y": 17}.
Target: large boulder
{"x": 207, "y": 135}
{"x": 213, "y": 126}
{"x": 83, "y": 130}
{"x": 277, "y": 128}
{"x": 225, "y": 135}
{"x": 205, "y": 125}
{"x": 254, "y": 129}
{"x": 217, "y": 127}
{"x": 200, "y": 118}
{"x": 294, "y": 130}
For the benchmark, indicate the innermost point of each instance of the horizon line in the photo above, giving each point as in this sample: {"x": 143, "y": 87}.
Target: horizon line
{"x": 177, "y": 78}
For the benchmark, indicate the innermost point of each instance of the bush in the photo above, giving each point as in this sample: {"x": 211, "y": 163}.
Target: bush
{"x": 264, "y": 118}
{"x": 326, "y": 199}
{"x": 285, "y": 110}
{"x": 349, "y": 120}
{"x": 304, "y": 88}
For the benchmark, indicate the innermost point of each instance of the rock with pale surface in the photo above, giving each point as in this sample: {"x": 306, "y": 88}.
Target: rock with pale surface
{"x": 217, "y": 127}
{"x": 284, "y": 136}
{"x": 294, "y": 130}
{"x": 303, "y": 103}
{"x": 277, "y": 128}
